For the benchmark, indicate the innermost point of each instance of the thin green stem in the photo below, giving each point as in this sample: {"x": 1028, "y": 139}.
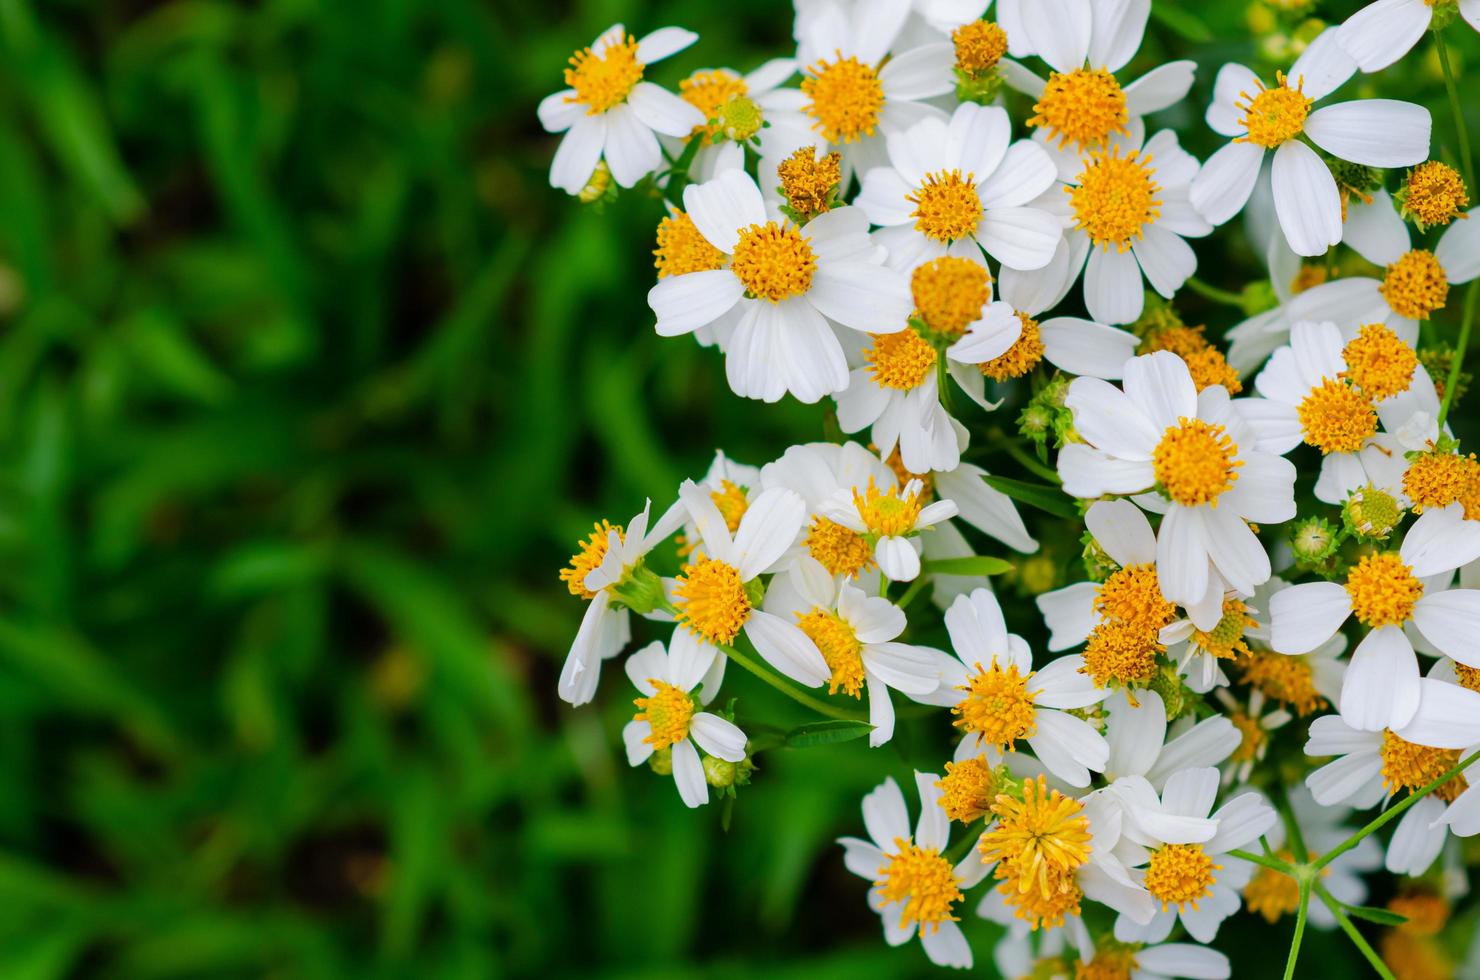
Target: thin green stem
{"x": 909, "y": 594}
{"x": 1030, "y": 463}
{"x": 1214, "y": 293}
{"x": 1352, "y": 933}
{"x": 1292, "y": 828}
{"x": 1272, "y": 863}
{"x": 1391, "y": 814}
{"x": 744, "y": 659}
{"x": 1300, "y": 914}
{"x": 1456, "y": 108}
{"x": 1461, "y": 347}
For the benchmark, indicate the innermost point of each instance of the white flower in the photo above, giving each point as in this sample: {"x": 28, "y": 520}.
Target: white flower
{"x": 788, "y": 282}
{"x": 1448, "y": 718}
{"x": 1387, "y": 592}
{"x": 1382, "y": 32}
{"x": 731, "y": 486}
{"x": 1373, "y": 132}
{"x": 914, "y": 887}
{"x": 1007, "y": 343}
{"x": 1201, "y": 456}
{"x": 668, "y": 715}
{"x": 609, "y": 111}
{"x": 896, "y": 392}
{"x": 950, "y": 187}
{"x": 783, "y": 127}
{"x": 1139, "y": 748}
{"x": 856, "y": 634}
{"x": 999, "y": 699}
{"x": 1161, "y": 961}
{"x": 894, "y": 520}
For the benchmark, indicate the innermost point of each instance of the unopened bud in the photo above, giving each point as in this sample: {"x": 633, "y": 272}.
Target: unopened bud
{"x": 741, "y": 119}
{"x": 1371, "y": 513}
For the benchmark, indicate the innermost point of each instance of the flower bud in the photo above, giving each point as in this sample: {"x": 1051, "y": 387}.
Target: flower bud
{"x": 1370, "y": 513}
{"x": 741, "y": 119}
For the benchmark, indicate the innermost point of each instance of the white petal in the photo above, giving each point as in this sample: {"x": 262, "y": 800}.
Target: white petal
{"x": 946, "y": 946}
{"x": 1373, "y": 132}
{"x": 1069, "y": 614}
{"x": 634, "y": 735}
{"x": 812, "y": 358}
{"x": 632, "y": 150}
{"x": 1167, "y": 260}
{"x": 1451, "y": 621}
{"x": 685, "y": 303}
{"x": 1184, "y": 960}
{"x": 883, "y": 197}
{"x": 787, "y": 649}
{"x": 1122, "y": 531}
{"x": 721, "y": 207}
{"x": 1226, "y": 180}
{"x": 1323, "y": 66}
{"x": 1112, "y": 286}
{"x": 1207, "y": 743}
{"x": 1381, "y": 686}
{"x": 1448, "y": 716}
{"x": 921, "y": 73}
{"x": 1089, "y": 473}
{"x": 688, "y": 775}
{"x": 1342, "y": 779}
{"x": 1440, "y": 540}
{"x": 1233, "y": 83}
{"x": 1235, "y": 549}
{"x": 860, "y": 295}
{"x": 885, "y": 817}
{"x": 1306, "y": 199}
{"x": 1019, "y": 237}
{"x": 558, "y": 112}
{"x": 1375, "y": 231}
{"x": 1305, "y": 616}
{"x": 1182, "y": 556}
{"x": 1086, "y": 348}
{"x": 1458, "y": 250}
{"x": 862, "y": 858}
{"x": 897, "y": 559}
{"x": 1069, "y": 747}
{"x": 1241, "y": 821}
{"x": 718, "y": 737}
{"x": 976, "y": 141}
{"x": 1117, "y": 27}
{"x": 664, "y": 43}
{"x": 1416, "y": 843}
{"x": 1026, "y": 173}
{"x": 662, "y": 111}
{"x": 650, "y": 663}
{"x": 1160, "y": 385}
{"x": 1382, "y": 32}
{"x": 1110, "y": 420}
{"x": 689, "y": 659}
{"x": 576, "y": 156}
{"x": 933, "y": 828}
{"x": 1062, "y": 683}
{"x": 1160, "y": 88}
{"x": 1265, "y": 491}
{"x": 903, "y": 667}
{"x": 1135, "y": 734}
{"x": 1190, "y": 793}
{"x": 1059, "y": 31}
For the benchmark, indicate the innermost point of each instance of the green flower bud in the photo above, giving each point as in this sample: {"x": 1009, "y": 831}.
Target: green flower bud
{"x": 1168, "y": 684}
{"x": 1371, "y": 514}
{"x": 661, "y": 761}
{"x": 722, "y": 774}
{"x": 1314, "y": 540}
{"x": 741, "y": 119}
{"x": 641, "y": 590}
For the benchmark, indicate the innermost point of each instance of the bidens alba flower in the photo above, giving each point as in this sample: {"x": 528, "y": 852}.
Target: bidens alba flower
{"x": 669, "y": 715}
{"x": 893, "y": 520}
{"x": 1380, "y": 33}
{"x": 896, "y": 391}
{"x": 610, "y": 112}
{"x": 788, "y": 281}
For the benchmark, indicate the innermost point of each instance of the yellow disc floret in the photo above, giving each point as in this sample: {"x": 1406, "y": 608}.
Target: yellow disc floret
{"x": 968, "y": 789}
{"x": 1434, "y": 194}
{"x": 1272, "y": 893}
{"x": 887, "y": 514}
{"x": 1132, "y": 595}
{"x": 1037, "y": 839}
{"x": 1205, "y": 363}
{"x": 668, "y": 713}
{"x": 998, "y": 707}
{"x": 1288, "y": 680}
{"x": 1226, "y": 640}
{"x": 1195, "y": 462}
{"x": 1042, "y": 910}
{"x": 947, "y": 206}
{"x": 1180, "y": 875}
{"x": 808, "y": 181}
{"x": 1383, "y": 590}
{"x": 1336, "y": 418}
{"x": 1378, "y": 362}
{"x": 1110, "y": 963}
{"x": 950, "y": 293}
{"x": 1440, "y": 479}
{"x": 1081, "y": 108}
{"x": 846, "y": 99}
{"x": 603, "y": 81}
{"x": 1025, "y": 354}
{"x": 681, "y": 249}
{"x": 1415, "y": 285}
{"x": 1409, "y": 766}
{"x": 1115, "y": 198}
{"x": 774, "y": 261}
{"x": 711, "y": 600}
{"x": 901, "y": 360}
{"x": 710, "y": 91}
{"x": 840, "y": 550}
{"x": 980, "y": 45}
{"x": 839, "y": 647}
{"x": 1273, "y": 115}
{"x": 923, "y": 884}
{"x": 1122, "y": 653}
{"x": 591, "y": 553}
{"x": 1426, "y": 911}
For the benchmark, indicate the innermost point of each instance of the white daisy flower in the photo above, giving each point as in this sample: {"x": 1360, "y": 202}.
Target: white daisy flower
{"x": 1187, "y": 865}
{"x": 669, "y": 715}
{"x": 999, "y": 699}
{"x": 1303, "y": 683}
{"x": 1140, "y": 747}
{"x": 769, "y": 114}
{"x": 1161, "y": 961}
{"x": 914, "y": 887}
{"x": 856, "y": 634}
{"x": 1273, "y": 894}
{"x": 893, "y": 519}
{"x": 896, "y": 392}
{"x": 1255, "y": 725}
{"x": 950, "y": 187}
{"x": 1199, "y": 454}
{"x": 610, "y": 112}
{"x": 1382, "y": 32}
{"x": 1008, "y": 343}
{"x": 712, "y": 594}
{"x": 731, "y": 486}
{"x": 1448, "y": 719}
{"x": 788, "y": 282}
{"x": 1373, "y": 132}
{"x": 1388, "y": 591}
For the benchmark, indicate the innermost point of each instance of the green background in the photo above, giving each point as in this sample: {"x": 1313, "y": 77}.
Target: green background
{"x": 308, "y": 384}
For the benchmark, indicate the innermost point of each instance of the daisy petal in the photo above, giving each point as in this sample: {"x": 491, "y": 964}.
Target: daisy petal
{"x": 1373, "y": 132}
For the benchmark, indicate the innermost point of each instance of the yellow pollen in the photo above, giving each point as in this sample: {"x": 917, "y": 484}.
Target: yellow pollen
{"x": 602, "y": 81}
{"x": 1468, "y": 677}
{"x": 840, "y": 550}
{"x": 709, "y": 91}
{"x": 923, "y": 883}
{"x": 968, "y": 789}
{"x": 839, "y": 647}
{"x": 846, "y": 99}
{"x": 998, "y": 706}
{"x": 1115, "y": 198}
{"x": 950, "y": 293}
{"x": 591, "y": 553}
{"x": 809, "y": 182}
{"x": 1420, "y": 958}
{"x": 711, "y": 600}
{"x": 887, "y": 514}
{"x": 1440, "y": 479}
{"x": 980, "y": 44}
{"x": 1254, "y": 737}
{"x": 1409, "y": 766}
{"x": 1309, "y": 277}
{"x": 1435, "y": 194}
{"x": 1272, "y": 894}
{"x": 1039, "y": 840}
{"x": 773, "y": 261}
{"x": 1226, "y": 640}
{"x": 1415, "y": 285}
{"x": 1425, "y": 911}
{"x": 1378, "y": 362}
{"x": 1121, "y": 652}
{"x": 1205, "y": 363}
{"x": 1081, "y": 108}
{"x": 1196, "y": 462}
{"x": 1288, "y": 680}
{"x": 1133, "y": 595}
{"x": 1180, "y": 875}
{"x": 1383, "y": 590}
{"x": 947, "y": 206}
{"x": 668, "y": 713}
{"x": 1336, "y": 418}
{"x": 681, "y": 249}
{"x": 731, "y": 502}
{"x": 901, "y": 473}
{"x": 901, "y": 360}
{"x": 1042, "y": 911}
{"x": 1108, "y": 964}
{"x": 1274, "y": 115}
{"x": 1025, "y": 354}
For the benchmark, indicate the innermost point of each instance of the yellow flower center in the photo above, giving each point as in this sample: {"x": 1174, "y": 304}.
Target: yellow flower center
{"x": 1425, "y": 911}
{"x": 1123, "y": 653}
{"x": 1205, "y": 363}
{"x": 1226, "y": 640}
{"x": 1116, "y": 198}
{"x": 1043, "y": 910}
{"x": 947, "y": 206}
{"x": 839, "y": 647}
{"x": 1180, "y": 875}
{"x": 1081, "y": 108}
{"x": 711, "y": 600}
{"x": 1440, "y": 479}
{"x": 1409, "y": 766}
{"x": 773, "y": 261}
{"x": 840, "y": 550}
{"x": 1468, "y": 677}
{"x": 887, "y": 514}
{"x": 602, "y": 81}
{"x": 968, "y": 789}
{"x": 1254, "y": 737}
{"x": 1415, "y": 285}
{"x": 1039, "y": 840}
{"x": 901, "y": 360}
{"x": 1274, "y": 115}
{"x": 809, "y": 182}
{"x": 1272, "y": 894}
{"x": 731, "y": 503}
{"x": 1023, "y": 356}
{"x": 950, "y": 293}
{"x": 668, "y": 713}
{"x": 1195, "y": 462}
{"x": 901, "y": 473}
{"x": 998, "y": 706}
{"x": 1108, "y": 964}
{"x": 1435, "y": 194}
{"x": 681, "y": 249}
{"x": 1336, "y": 418}
{"x": 1288, "y": 680}
{"x": 980, "y": 44}
{"x": 923, "y": 882}
{"x": 1383, "y": 590}
{"x": 846, "y": 99}
{"x": 1309, "y": 277}
{"x": 590, "y": 553}
{"x": 710, "y": 91}
{"x": 1378, "y": 362}
{"x": 1133, "y": 595}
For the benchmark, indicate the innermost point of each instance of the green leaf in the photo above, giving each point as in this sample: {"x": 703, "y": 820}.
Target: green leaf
{"x": 1382, "y": 917}
{"x": 826, "y": 733}
{"x": 1182, "y": 23}
{"x": 1046, "y": 498}
{"x": 971, "y": 565}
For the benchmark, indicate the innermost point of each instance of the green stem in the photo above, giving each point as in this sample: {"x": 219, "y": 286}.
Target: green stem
{"x": 1456, "y": 109}
{"x": 1352, "y": 933}
{"x": 1391, "y": 814}
{"x": 1030, "y": 463}
{"x": 1273, "y": 864}
{"x": 1214, "y": 293}
{"x": 1461, "y": 346}
{"x": 785, "y": 687}
{"x": 909, "y": 594}
{"x": 1299, "y": 929}
{"x": 1292, "y": 828}
{"x": 679, "y": 177}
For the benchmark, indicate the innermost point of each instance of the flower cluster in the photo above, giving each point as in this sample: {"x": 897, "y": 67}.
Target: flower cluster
{"x": 924, "y": 215}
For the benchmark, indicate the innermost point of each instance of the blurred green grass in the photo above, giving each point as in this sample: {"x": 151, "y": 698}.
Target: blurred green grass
{"x": 308, "y": 382}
